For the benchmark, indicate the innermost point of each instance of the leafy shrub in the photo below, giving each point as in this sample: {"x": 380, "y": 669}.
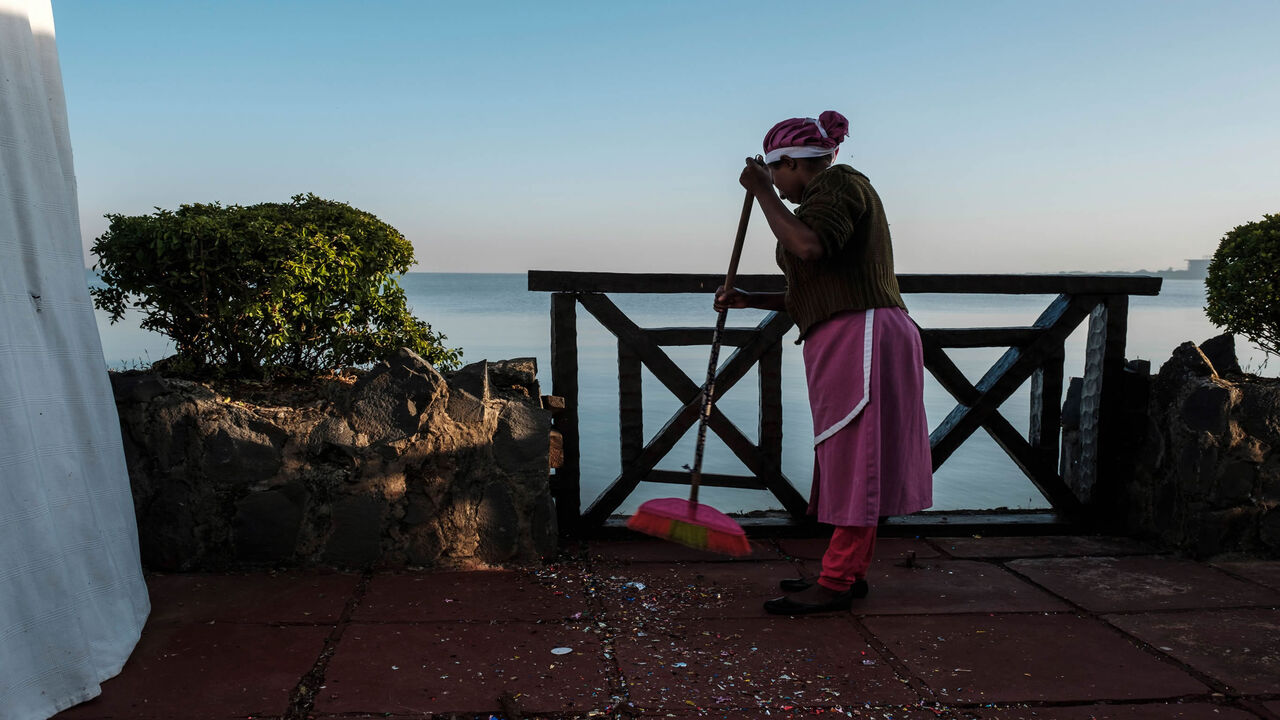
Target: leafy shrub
{"x": 1243, "y": 283}
{"x": 276, "y": 288}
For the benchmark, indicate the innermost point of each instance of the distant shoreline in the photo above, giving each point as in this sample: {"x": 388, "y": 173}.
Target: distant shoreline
{"x": 1167, "y": 274}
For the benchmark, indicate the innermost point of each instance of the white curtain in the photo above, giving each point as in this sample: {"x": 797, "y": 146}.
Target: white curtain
{"x": 72, "y": 598}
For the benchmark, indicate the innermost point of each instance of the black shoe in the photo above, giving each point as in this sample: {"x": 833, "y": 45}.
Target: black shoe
{"x": 786, "y": 606}
{"x": 794, "y": 585}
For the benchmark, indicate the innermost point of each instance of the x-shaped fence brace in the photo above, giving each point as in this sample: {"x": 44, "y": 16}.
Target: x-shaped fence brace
{"x": 1034, "y": 353}
{"x": 763, "y": 461}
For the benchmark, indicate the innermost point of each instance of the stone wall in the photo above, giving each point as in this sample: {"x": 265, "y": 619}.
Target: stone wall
{"x": 396, "y": 466}
{"x": 1207, "y": 477}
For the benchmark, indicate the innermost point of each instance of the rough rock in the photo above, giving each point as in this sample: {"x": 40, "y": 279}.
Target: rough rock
{"x": 402, "y": 467}
{"x": 1220, "y": 351}
{"x": 1208, "y": 481}
{"x": 519, "y": 375}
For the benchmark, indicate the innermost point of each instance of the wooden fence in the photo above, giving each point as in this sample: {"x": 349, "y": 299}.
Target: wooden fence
{"x": 1035, "y": 353}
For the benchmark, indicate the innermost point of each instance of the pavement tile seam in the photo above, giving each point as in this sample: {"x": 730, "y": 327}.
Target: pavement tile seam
{"x": 616, "y": 679}
{"x": 1172, "y": 562}
{"x": 1047, "y": 705}
{"x": 1052, "y": 545}
{"x": 1180, "y": 610}
{"x": 1219, "y": 687}
{"x": 1258, "y": 706}
{"x": 1216, "y": 686}
{"x": 1269, "y": 709}
{"x": 303, "y": 696}
{"x": 1243, "y": 578}
{"x": 900, "y": 668}
{"x": 948, "y": 564}
{"x": 1076, "y": 607}
{"x": 1211, "y": 692}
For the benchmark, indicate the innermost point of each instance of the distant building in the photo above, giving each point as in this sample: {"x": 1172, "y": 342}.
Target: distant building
{"x": 1197, "y": 269}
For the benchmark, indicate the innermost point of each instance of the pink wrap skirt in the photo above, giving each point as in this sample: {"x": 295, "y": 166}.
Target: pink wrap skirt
{"x": 865, "y": 371}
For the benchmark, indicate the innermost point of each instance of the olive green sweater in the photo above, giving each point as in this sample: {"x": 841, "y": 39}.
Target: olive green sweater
{"x": 855, "y": 271}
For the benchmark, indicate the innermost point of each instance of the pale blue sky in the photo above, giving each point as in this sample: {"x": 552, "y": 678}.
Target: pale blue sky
{"x": 504, "y": 136}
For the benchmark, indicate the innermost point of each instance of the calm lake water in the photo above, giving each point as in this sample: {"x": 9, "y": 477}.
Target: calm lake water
{"x": 494, "y": 317}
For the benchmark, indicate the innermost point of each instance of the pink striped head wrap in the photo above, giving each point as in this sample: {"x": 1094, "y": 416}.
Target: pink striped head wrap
{"x": 806, "y": 137}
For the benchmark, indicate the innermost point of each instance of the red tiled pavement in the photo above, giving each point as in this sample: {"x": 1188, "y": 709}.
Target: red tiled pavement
{"x": 1142, "y": 583}
{"x": 952, "y": 586}
{"x": 1239, "y": 648}
{"x": 207, "y": 670}
{"x": 887, "y": 549}
{"x": 660, "y": 551}
{"x": 241, "y": 645}
{"x": 299, "y": 597}
{"x": 478, "y": 595}
{"x": 1042, "y": 546}
{"x": 1151, "y": 711}
{"x": 1263, "y": 572}
{"x": 464, "y": 667}
{"x": 787, "y": 711}
{"x": 692, "y": 590}
{"x": 758, "y": 662}
{"x": 1022, "y": 658}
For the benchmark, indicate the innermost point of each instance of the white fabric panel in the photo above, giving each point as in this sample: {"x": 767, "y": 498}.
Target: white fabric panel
{"x": 72, "y": 598}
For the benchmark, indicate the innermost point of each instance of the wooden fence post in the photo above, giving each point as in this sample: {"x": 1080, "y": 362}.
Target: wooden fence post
{"x": 567, "y": 481}
{"x": 630, "y": 405}
{"x": 1101, "y": 394}
{"x": 1111, "y": 424}
{"x": 1046, "y": 411}
{"x": 769, "y": 370}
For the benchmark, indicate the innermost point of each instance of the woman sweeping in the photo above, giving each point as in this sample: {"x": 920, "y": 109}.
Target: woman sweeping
{"x": 862, "y": 352}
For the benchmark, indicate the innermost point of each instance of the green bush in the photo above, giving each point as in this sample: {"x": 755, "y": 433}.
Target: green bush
{"x": 293, "y": 288}
{"x": 1244, "y": 283}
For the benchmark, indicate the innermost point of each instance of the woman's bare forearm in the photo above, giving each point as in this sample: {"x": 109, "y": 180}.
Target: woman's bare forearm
{"x": 796, "y": 237}
{"x": 767, "y": 300}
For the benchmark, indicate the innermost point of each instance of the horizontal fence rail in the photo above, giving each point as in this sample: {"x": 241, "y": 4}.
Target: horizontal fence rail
{"x": 593, "y": 282}
{"x": 1034, "y": 353}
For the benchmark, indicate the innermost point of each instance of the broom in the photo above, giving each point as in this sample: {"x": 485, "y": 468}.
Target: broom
{"x": 685, "y": 521}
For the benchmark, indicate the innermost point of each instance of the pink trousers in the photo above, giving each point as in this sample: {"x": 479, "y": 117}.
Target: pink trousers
{"x": 848, "y": 557}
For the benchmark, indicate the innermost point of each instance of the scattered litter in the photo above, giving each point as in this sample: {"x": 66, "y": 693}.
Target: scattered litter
{"x": 561, "y": 651}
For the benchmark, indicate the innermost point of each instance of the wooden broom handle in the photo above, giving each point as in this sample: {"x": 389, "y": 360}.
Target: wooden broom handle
{"x": 737, "y": 241}
{"x": 708, "y": 388}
